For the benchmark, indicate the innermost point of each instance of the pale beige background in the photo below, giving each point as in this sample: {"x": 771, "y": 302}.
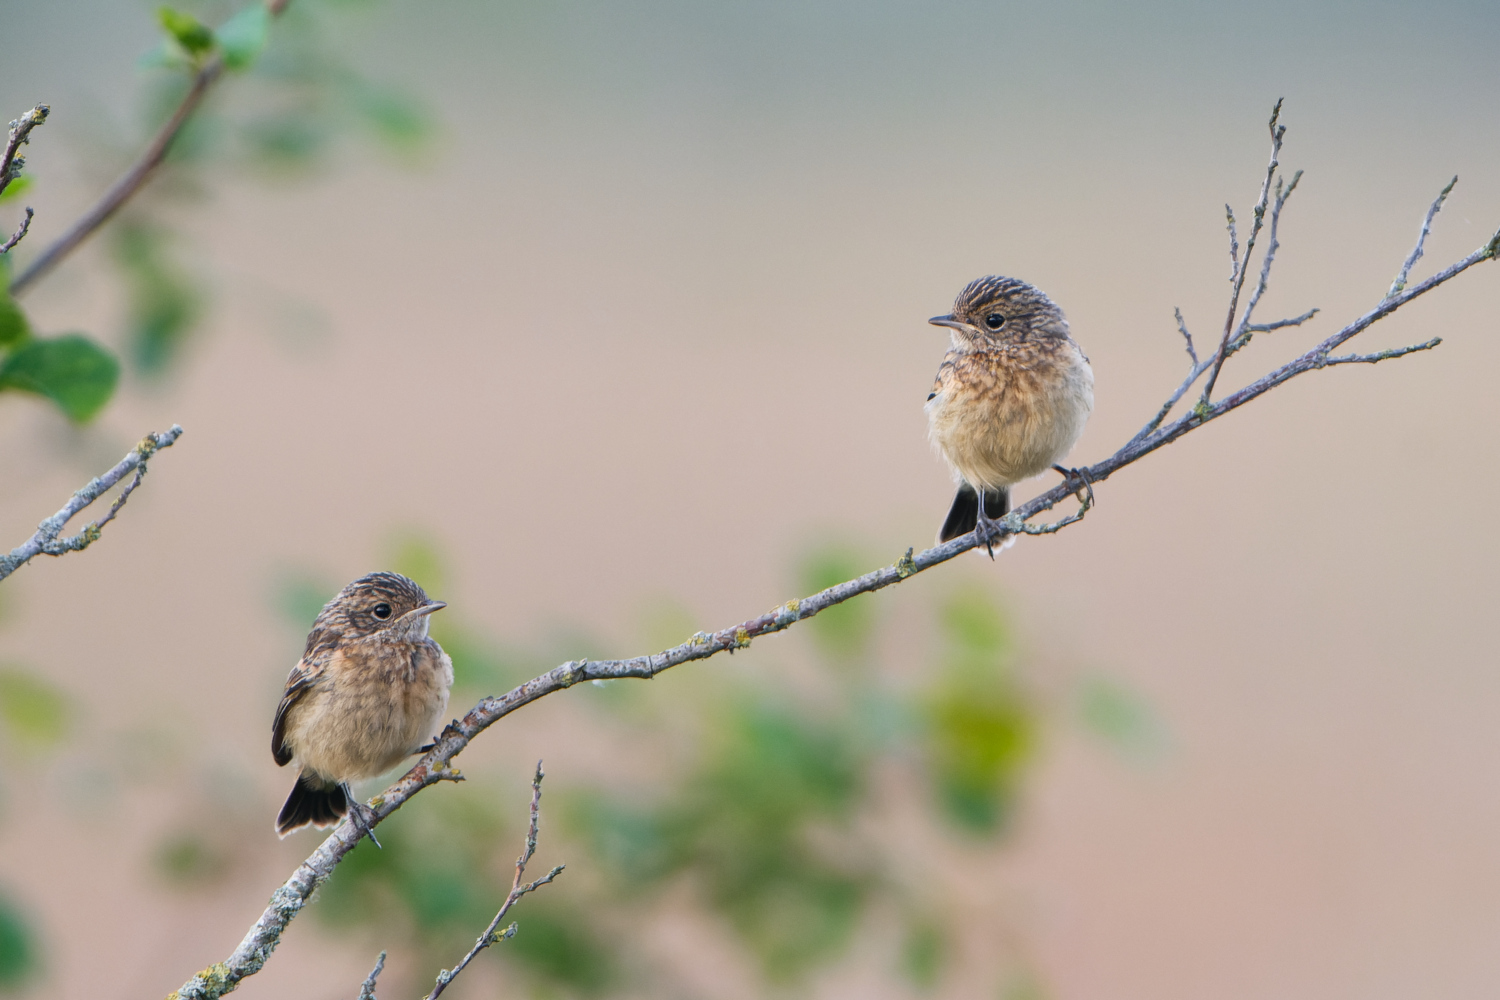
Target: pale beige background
{"x": 650, "y": 317}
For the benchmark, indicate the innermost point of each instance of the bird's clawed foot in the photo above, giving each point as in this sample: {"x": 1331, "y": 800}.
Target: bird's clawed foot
{"x": 987, "y": 529}
{"x": 363, "y": 818}
{"x": 1085, "y": 488}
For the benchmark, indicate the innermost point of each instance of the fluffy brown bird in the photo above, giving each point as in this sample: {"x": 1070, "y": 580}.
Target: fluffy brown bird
{"x": 1011, "y": 397}
{"x": 370, "y": 689}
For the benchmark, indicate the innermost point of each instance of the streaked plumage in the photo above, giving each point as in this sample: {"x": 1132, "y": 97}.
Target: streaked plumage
{"x": 370, "y": 689}
{"x": 1011, "y": 396}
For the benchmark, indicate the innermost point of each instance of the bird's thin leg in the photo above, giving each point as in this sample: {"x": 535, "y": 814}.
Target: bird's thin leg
{"x": 985, "y": 528}
{"x": 361, "y": 816}
{"x": 1082, "y": 476}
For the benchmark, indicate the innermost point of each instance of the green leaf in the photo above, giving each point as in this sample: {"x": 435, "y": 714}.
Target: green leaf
{"x": 13, "y": 326}
{"x": 73, "y": 371}
{"x": 18, "y": 958}
{"x": 187, "y": 30}
{"x": 15, "y": 188}
{"x": 243, "y": 36}
{"x": 35, "y": 713}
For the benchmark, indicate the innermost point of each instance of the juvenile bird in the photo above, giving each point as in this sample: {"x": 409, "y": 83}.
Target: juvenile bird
{"x": 1011, "y": 397}
{"x": 370, "y": 689}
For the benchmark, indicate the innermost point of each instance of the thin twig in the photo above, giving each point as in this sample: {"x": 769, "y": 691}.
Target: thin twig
{"x": 367, "y": 988}
{"x": 1182, "y": 327}
{"x": 436, "y": 764}
{"x": 46, "y": 540}
{"x": 1277, "y": 133}
{"x": 1280, "y": 323}
{"x": 20, "y": 135}
{"x": 1394, "y": 352}
{"x": 517, "y": 890}
{"x": 1234, "y": 245}
{"x": 137, "y": 175}
{"x": 1416, "y": 251}
{"x": 1274, "y": 244}
{"x": 21, "y": 232}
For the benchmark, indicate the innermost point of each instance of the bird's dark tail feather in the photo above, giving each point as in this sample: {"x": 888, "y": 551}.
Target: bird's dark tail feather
{"x": 312, "y": 802}
{"x": 963, "y": 516}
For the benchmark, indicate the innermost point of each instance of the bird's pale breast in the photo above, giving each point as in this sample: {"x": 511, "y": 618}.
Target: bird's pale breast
{"x": 1004, "y": 414}
{"x": 373, "y": 706}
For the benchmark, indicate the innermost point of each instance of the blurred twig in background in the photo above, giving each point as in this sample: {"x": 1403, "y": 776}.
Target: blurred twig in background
{"x": 46, "y": 540}
{"x": 313, "y": 94}
{"x": 214, "y": 52}
{"x": 436, "y": 766}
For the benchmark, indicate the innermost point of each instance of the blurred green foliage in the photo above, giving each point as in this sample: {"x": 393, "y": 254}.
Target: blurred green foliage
{"x": 979, "y": 721}
{"x": 187, "y": 858}
{"x": 35, "y": 712}
{"x": 739, "y": 823}
{"x": 187, "y": 31}
{"x": 162, "y": 301}
{"x": 923, "y": 953}
{"x": 18, "y": 952}
{"x": 843, "y": 629}
{"x": 1122, "y": 718}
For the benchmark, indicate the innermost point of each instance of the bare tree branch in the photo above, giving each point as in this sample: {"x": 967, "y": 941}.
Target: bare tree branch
{"x": 46, "y": 540}
{"x": 137, "y": 175}
{"x": 367, "y": 988}
{"x": 1416, "y": 251}
{"x": 20, "y": 134}
{"x": 1278, "y": 132}
{"x": 517, "y": 890}
{"x": 1182, "y": 328}
{"x": 1280, "y": 323}
{"x": 19, "y": 233}
{"x": 435, "y": 765}
{"x": 1394, "y": 352}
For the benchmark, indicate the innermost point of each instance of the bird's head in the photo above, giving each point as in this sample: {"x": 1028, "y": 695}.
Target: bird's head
{"x": 380, "y": 605}
{"x": 996, "y": 310}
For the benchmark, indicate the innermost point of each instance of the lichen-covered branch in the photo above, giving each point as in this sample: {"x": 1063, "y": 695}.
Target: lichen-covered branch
{"x": 11, "y": 161}
{"x": 367, "y": 988}
{"x": 436, "y": 764}
{"x": 1416, "y": 251}
{"x": 47, "y": 542}
{"x": 139, "y": 172}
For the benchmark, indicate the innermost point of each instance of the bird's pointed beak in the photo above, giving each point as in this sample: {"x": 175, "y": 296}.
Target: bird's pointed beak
{"x": 947, "y": 321}
{"x": 427, "y": 609}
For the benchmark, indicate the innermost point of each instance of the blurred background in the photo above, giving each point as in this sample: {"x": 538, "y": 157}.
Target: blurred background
{"x": 607, "y": 323}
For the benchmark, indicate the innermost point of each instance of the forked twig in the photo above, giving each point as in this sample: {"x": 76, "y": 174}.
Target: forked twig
{"x": 517, "y": 890}
{"x": 46, "y": 540}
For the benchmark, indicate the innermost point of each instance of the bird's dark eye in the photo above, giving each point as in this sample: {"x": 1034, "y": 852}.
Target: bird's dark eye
{"x": 994, "y": 321}
{"x": 381, "y": 611}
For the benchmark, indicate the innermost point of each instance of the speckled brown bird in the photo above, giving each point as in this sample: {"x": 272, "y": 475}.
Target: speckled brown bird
{"x": 1011, "y": 397}
{"x": 370, "y": 689}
